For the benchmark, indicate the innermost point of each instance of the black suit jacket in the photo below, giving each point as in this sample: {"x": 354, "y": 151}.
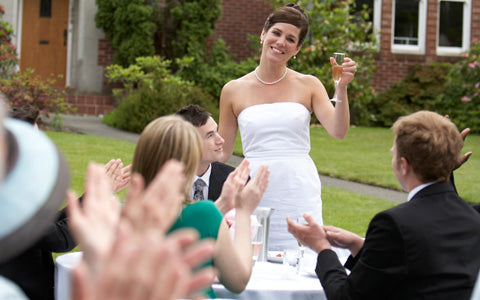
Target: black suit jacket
{"x": 33, "y": 270}
{"x": 218, "y": 176}
{"x": 427, "y": 248}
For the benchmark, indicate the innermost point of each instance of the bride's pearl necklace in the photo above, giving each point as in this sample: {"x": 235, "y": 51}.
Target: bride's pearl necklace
{"x": 273, "y": 82}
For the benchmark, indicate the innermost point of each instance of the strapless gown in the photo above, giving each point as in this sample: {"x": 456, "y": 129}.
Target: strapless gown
{"x": 278, "y": 135}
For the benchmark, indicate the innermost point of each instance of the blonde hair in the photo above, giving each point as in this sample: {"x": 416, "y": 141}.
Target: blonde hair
{"x": 431, "y": 144}
{"x": 165, "y": 138}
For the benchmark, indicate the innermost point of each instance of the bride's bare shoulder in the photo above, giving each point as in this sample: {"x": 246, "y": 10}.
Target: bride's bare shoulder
{"x": 239, "y": 83}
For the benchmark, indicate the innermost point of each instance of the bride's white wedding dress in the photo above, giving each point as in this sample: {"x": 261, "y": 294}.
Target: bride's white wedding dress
{"x": 278, "y": 135}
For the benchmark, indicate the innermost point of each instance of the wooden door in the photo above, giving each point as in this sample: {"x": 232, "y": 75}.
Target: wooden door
{"x": 44, "y": 38}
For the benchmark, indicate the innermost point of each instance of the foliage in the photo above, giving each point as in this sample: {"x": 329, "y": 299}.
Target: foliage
{"x": 130, "y": 27}
{"x": 416, "y": 91}
{"x": 211, "y": 75}
{"x": 151, "y": 91}
{"x": 333, "y": 27}
{"x": 8, "y": 51}
{"x": 26, "y": 88}
{"x": 461, "y": 99}
{"x": 184, "y": 26}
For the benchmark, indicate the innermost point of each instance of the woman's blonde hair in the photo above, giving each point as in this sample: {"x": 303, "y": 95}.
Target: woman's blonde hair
{"x": 165, "y": 138}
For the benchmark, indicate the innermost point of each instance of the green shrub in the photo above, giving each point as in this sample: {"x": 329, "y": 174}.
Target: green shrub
{"x": 129, "y": 26}
{"x": 461, "y": 99}
{"x": 25, "y": 88}
{"x": 150, "y": 91}
{"x": 418, "y": 90}
{"x": 213, "y": 73}
{"x": 145, "y": 104}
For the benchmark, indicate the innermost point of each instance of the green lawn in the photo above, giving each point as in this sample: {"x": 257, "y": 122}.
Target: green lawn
{"x": 364, "y": 156}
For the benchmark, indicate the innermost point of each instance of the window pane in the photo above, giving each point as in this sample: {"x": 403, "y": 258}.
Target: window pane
{"x": 451, "y": 24}
{"x": 45, "y": 8}
{"x": 406, "y": 22}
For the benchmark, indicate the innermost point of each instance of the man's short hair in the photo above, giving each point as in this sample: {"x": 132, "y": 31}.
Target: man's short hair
{"x": 194, "y": 114}
{"x": 430, "y": 143}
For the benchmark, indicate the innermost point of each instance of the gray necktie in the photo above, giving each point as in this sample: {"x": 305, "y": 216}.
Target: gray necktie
{"x": 198, "y": 189}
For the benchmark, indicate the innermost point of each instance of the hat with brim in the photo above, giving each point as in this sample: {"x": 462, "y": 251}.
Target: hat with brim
{"x": 33, "y": 189}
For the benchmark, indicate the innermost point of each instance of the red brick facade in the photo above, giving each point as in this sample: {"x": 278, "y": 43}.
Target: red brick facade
{"x": 239, "y": 19}
{"x": 393, "y": 67}
{"x": 243, "y": 17}
{"x": 91, "y": 104}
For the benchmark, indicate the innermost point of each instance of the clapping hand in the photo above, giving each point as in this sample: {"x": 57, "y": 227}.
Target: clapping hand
{"x": 344, "y": 239}
{"x": 126, "y": 256}
{"x": 232, "y": 187}
{"x": 118, "y": 174}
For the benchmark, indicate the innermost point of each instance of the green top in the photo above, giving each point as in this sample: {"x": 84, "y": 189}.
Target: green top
{"x": 206, "y": 219}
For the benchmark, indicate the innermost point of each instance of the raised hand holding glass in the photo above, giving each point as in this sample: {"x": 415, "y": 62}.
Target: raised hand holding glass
{"x": 337, "y": 71}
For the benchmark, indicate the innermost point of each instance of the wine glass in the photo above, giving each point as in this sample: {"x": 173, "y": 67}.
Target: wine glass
{"x": 257, "y": 243}
{"x": 337, "y": 71}
{"x": 301, "y": 248}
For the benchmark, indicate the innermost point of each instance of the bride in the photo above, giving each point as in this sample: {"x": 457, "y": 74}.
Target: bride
{"x": 272, "y": 107}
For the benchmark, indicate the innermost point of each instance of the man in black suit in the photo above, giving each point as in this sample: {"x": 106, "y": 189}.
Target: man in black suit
{"x": 425, "y": 248}
{"x": 210, "y": 171}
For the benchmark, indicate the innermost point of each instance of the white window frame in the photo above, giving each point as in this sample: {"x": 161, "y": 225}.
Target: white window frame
{"x": 456, "y": 51}
{"x": 422, "y": 28}
{"x": 377, "y": 20}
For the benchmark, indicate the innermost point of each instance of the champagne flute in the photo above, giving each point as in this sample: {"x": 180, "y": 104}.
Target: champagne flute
{"x": 337, "y": 71}
{"x": 301, "y": 248}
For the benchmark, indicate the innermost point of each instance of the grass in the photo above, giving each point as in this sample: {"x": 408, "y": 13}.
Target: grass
{"x": 363, "y": 156}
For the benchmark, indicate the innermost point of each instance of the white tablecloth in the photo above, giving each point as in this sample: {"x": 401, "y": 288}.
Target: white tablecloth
{"x": 64, "y": 265}
{"x": 269, "y": 280}
{"x": 272, "y": 281}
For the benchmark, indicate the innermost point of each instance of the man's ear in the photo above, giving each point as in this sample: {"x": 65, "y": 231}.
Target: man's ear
{"x": 404, "y": 166}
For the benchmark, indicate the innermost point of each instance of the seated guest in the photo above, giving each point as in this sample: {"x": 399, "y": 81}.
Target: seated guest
{"x": 26, "y": 113}
{"x": 115, "y": 260}
{"x": 426, "y": 248}
{"x": 171, "y": 137}
{"x": 33, "y": 183}
{"x": 211, "y": 173}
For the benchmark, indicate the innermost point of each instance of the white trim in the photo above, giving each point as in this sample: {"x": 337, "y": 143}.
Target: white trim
{"x": 19, "y": 32}
{"x": 422, "y": 27}
{"x": 456, "y": 51}
{"x": 69, "y": 42}
{"x": 377, "y": 20}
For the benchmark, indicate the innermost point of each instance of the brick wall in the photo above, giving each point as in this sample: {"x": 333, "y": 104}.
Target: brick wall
{"x": 91, "y": 104}
{"x": 393, "y": 67}
{"x": 239, "y": 19}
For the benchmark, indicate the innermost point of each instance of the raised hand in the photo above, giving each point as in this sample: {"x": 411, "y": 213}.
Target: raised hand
{"x": 252, "y": 193}
{"x": 311, "y": 234}
{"x": 156, "y": 207}
{"x": 163, "y": 270}
{"x": 232, "y": 186}
{"x": 119, "y": 175}
{"x": 94, "y": 223}
{"x": 344, "y": 239}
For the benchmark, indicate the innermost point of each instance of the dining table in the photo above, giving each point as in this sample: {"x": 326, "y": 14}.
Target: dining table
{"x": 270, "y": 280}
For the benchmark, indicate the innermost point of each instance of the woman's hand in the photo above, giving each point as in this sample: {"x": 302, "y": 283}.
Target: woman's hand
{"x": 349, "y": 70}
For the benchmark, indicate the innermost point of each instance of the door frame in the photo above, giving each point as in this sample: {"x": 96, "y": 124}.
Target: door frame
{"x": 69, "y": 37}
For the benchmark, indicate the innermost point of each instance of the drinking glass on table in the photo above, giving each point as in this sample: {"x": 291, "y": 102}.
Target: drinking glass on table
{"x": 337, "y": 71}
{"x": 301, "y": 248}
{"x": 257, "y": 242}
